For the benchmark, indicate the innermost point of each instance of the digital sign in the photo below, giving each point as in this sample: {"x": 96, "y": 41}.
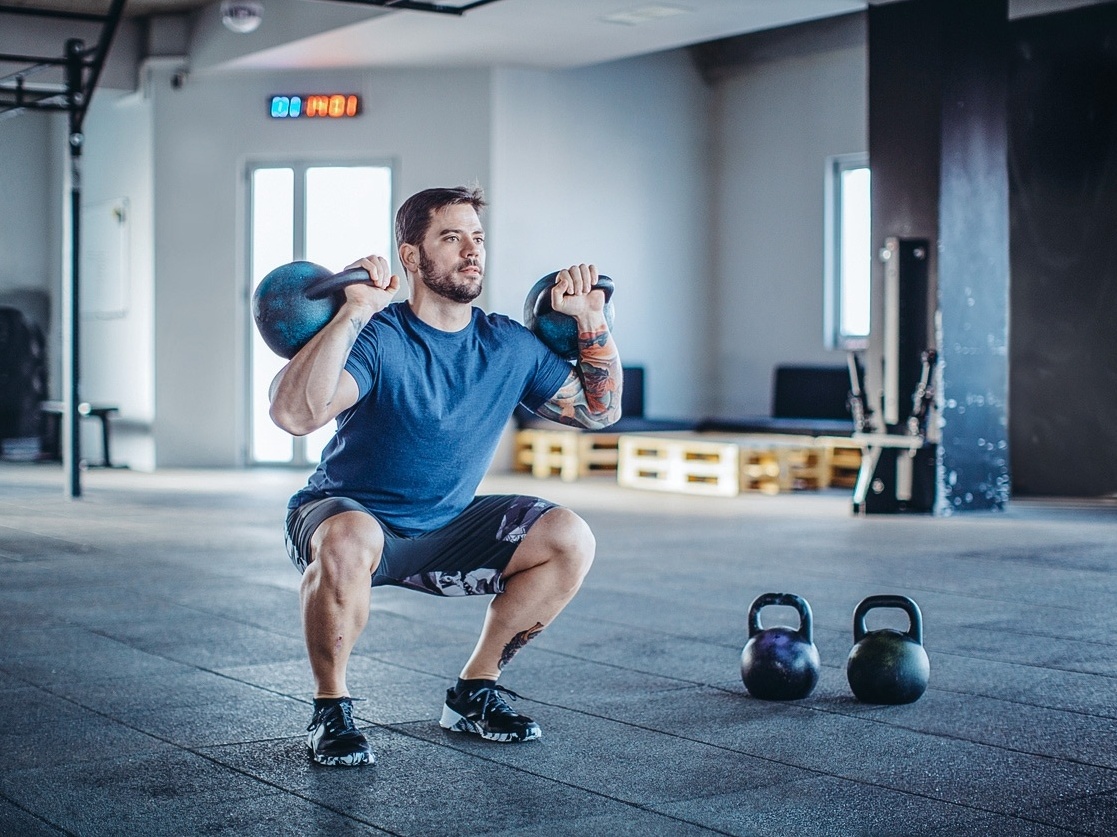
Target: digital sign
{"x": 315, "y": 105}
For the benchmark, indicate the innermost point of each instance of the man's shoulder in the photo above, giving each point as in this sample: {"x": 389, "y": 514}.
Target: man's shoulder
{"x": 499, "y": 322}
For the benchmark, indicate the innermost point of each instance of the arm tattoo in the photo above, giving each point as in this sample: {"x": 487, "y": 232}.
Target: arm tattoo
{"x": 517, "y": 642}
{"x": 591, "y": 396}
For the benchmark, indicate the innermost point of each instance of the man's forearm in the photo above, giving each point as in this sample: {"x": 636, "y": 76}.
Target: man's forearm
{"x": 599, "y": 367}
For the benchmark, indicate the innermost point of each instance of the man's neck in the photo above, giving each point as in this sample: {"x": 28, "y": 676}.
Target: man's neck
{"x": 441, "y": 313}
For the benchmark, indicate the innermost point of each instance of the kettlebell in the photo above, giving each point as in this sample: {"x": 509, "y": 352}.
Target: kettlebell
{"x": 295, "y": 301}
{"x": 780, "y": 663}
{"x": 887, "y": 666}
{"x": 559, "y": 331}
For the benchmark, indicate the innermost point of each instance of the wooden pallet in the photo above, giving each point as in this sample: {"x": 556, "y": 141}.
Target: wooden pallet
{"x": 841, "y": 460}
{"x": 685, "y": 464}
{"x": 570, "y": 454}
{"x": 727, "y": 466}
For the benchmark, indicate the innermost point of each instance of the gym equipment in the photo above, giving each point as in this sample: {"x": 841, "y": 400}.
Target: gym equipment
{"x": 887, "y": 666}
{"x": 559, "y": 331}
{"x": 780, "y": 663}
{"x": 296, "y": 300}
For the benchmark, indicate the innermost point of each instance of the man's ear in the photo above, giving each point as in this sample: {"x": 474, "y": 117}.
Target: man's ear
{"x": 409, "y": 257}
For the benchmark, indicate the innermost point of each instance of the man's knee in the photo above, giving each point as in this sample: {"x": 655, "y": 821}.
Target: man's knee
{"x": 567, "y": 541}
{"x": 347, "y": 547}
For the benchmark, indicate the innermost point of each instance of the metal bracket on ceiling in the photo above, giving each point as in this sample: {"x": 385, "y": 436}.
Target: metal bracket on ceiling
{"x": 421, "y": 6}
{"x": 81, "y": 67}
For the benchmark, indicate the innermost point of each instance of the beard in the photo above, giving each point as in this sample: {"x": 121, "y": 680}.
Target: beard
{"x": 443, "y": 282}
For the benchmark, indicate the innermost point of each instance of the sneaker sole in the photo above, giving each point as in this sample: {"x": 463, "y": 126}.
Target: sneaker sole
{"x": 351, "y": 760}
{"x": 454, "y": 722}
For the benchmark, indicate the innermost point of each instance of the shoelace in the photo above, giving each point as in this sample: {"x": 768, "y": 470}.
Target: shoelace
{"x": 492, "y": 703}
{"x": 336, "y": 722}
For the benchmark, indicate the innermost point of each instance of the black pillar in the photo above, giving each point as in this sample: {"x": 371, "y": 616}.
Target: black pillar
{"x": 937, "y": 150}
{"x": 75, "y": 101}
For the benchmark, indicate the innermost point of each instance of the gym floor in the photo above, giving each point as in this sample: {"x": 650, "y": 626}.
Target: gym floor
{"x": 153, "y": 678}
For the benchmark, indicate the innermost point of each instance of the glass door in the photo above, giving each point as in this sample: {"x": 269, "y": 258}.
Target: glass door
{"x": 327, "y": 214}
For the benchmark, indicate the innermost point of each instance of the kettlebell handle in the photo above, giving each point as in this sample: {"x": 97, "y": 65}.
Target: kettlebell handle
{"x": 329, "y": 284}
{"x": 915, "y": 629}
{"x": 543, "y": 301}
{"x": 806, "y": 628}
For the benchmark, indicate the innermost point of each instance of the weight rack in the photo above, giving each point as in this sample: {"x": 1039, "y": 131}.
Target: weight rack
{"x": 79, "y": 69}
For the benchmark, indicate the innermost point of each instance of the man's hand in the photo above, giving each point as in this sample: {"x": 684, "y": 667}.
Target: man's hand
{"x": 379, "y": 290}
{"x": 573, "y": 294}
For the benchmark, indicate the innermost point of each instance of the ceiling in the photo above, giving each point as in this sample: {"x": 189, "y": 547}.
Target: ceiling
{"x": 551, "y": 34}
{"x": 531, "y": 33}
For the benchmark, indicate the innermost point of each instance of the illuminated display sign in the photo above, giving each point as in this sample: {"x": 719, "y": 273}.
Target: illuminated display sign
{"x": 315, "y": 105}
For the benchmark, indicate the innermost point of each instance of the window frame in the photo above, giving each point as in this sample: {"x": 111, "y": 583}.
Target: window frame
{"x": 833, "y": 335}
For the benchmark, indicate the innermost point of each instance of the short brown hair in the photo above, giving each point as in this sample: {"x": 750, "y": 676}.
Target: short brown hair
{"x": 414, "y": 217}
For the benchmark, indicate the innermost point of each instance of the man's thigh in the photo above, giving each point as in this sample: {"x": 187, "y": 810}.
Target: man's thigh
{"x": 467, "y": 556}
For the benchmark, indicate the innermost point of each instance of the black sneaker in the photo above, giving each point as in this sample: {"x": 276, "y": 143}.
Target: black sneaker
{"x": 483, "y": 712}
{"x": 334, "y": 740}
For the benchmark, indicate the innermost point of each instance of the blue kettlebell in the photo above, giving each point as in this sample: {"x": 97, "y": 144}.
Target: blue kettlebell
{"x": 296, "y": 300}
{"x": 559, "y": 331}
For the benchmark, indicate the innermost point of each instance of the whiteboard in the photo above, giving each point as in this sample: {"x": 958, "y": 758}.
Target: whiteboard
{"x": 104, "y": 259}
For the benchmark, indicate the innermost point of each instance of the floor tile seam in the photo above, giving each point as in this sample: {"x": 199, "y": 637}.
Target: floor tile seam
{"x": 818, "y": 773}
{"x": 841, "y": 664}
{"x": 1098, "y": 642}
{"x": 1072, "y": 800}
{"x": 102, "y": 632}
{"x": 1024, "y": 665}
{"x": 35, "y": 815}
{"x": 403, "y": 729}
{"x": 860, "y": 717}
{"x": 103, "y": 714}
{"x": 550, "y": 652}
{"x": 200, "y": 753}
{"x": 905, "y": 792}
{"x": 962, "y": 594}
{"x": 1066, "y": 709}
{"x": 961, "y": 739}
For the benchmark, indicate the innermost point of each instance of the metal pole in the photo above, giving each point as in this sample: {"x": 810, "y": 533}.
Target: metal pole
{"x": 75, "y": 100}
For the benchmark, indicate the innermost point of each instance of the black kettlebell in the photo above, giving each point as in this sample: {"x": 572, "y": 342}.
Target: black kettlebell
{"x": 887, "y": 666}
{"x": 296, "y": 300}
{"x": 780, "y": 663}
{"x": 559, "y": 331}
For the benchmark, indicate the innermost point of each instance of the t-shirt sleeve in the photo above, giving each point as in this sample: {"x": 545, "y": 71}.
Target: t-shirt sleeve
{"x": 551, "y": 371}
{"x": 362, "y": 361}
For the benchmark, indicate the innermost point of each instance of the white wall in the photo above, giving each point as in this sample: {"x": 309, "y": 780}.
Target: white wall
{"x": 703, "y": 202}
{"x": 610, "y": 165}
{"x": 776, "y": 121}
{"x": 118, "y": 357}
{"x": 433, "y": 125}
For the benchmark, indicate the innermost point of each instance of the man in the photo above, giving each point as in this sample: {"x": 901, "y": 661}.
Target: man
{"x": 422, "y": 391}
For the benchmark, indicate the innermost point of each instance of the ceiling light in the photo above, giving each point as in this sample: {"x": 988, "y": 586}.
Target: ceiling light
{"x": 644, "y": 14}
{"x": 242, "y": 16}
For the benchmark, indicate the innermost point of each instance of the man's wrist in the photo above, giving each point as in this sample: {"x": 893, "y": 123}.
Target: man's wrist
{"x": 592, "y": 323}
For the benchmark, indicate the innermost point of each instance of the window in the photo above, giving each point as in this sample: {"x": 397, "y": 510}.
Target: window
{"x": 330, "y": 215}
{"x": 848, "y": 252}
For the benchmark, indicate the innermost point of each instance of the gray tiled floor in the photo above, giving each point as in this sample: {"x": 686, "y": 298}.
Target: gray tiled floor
{"x": 153, "y": 678}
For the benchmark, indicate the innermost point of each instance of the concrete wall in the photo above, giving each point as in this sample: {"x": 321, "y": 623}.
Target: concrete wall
{"x": 776, "y": 121}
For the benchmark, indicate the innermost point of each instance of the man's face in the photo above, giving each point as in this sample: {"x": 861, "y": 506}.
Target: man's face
{"x": 452, "y": 254}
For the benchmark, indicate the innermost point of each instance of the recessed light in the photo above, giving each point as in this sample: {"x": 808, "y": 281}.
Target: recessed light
{"x": 644, "y": 14}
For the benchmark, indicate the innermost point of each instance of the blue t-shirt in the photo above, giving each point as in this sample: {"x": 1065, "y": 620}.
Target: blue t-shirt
{"x": 432, "y": 408}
